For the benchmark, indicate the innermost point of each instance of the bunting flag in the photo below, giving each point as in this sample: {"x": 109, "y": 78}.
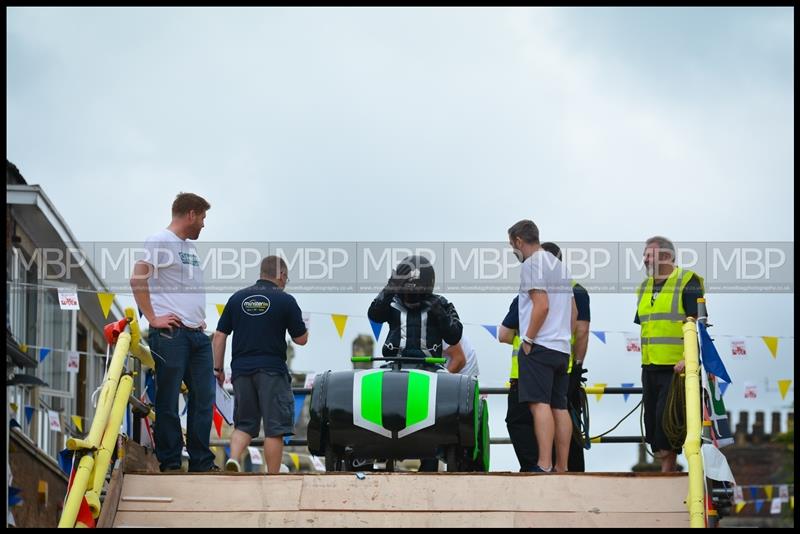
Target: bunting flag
{"x": 739, "y": 506}
{"x": 255, "y": 456}
{"x": 714, "y": 406}
{"x": 753, "y": 492}
{"x": 14, "y": 496}
{"x": 627, "y": 385}
{"x": 772, "y": 345}
{"x": 492, "y": 329}
{"x": 709, "y": 355}
{"x": 220, "y": 309}
{"x": 783, "y": 386}
{"x": 85, "y": 517}
{"x": 722, "y": 387}
{"x": 65, "y": 459}
{"x": 599, "y": 395}
{"x": 376, "y": 328}
{"x": 14, "y": 407}
{"x": 600, "y": 335}
{"x": 12, "y": 423}
{"x": 299, "y": 400}
{"x": 218, "y": 421}
{"x": 138, "y": 309}
{"x": 77, "y": 420}
{"x": 775, "y": 509}
{"x": 106, "y": 299}
{"x": 340, "y": 321}
{"x": 23, "y": 348}
{"x": 759, "y": 505}
{"x": 43, "y": 352}
{"x": 295, "y": 460}
{"x": 28, "y": 414}
{"x": 791, "y": 502}
{"x": 768, "y": 491}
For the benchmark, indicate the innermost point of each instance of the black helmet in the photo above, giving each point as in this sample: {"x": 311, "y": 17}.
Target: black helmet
{"x": 414, "y": 276}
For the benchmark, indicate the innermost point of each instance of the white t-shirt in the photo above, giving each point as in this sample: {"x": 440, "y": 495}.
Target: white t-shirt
{"x": 546, "y": 272}
{"x": 471, "y": 367}
{"x": 176, "y": 285}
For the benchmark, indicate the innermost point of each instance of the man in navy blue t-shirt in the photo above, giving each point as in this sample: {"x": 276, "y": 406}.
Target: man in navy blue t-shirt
{"x": 259, "y": 316}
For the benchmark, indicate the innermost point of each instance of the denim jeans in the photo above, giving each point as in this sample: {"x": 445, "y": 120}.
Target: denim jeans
{"x": 183, "y": 355}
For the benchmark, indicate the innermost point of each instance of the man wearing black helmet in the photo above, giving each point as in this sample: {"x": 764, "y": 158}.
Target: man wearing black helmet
{"x": 419, "y": 320}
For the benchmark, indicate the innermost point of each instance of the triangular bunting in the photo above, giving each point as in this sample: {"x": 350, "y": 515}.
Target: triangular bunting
{"x": 340, "y": 321}
{"x": 753, "y": 492}
{"x": 768, "y": 491}
{"x": 759, "y": 505}
{"x": 218, "y": 421}
{"x": 627, "y": 385}
{"x": 739, "y": 506}
{"x": 220, "y": 308}
{"x": 791, "y": 502}
{"x": 78, "y": 422}
{"x": 14, "y": 407}
{"x": 85, "y": 516}
{"x": 14, "y": 423}
{"x": 783, "y": 386}
{"x": 599, "y": 395}
{"x": 295, "y": 460}
{"x": 600, "y": 335}
{"x": 772, "y": 345}
{"x": 28, "y": 413}
{"x": 23, "y": 347}
{"x": 14, "y": 496}
{"x": 722, "y": 387}
{"x": 106, "y": 299}
{"x": 43, "y": 352}
{"x": 492, "y": 329}
{"x": 376, "y": 329}
{"x": 65, "y": 458}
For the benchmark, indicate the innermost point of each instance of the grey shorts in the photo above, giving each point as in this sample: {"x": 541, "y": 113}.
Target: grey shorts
{"x": 264, "y": 396}
{"x": 543, "y": 377}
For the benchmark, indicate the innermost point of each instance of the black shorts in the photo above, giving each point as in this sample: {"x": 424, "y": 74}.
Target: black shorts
{"x": 543, "y": 377}
{"x": 264, "y": 396}
{"x": 655, "y": 388}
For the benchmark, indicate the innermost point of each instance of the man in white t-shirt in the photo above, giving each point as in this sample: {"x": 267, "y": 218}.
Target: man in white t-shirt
{"x": 546, "y": 313}
{"x": 470, "y": 368}
{"x": 169, "y": 290}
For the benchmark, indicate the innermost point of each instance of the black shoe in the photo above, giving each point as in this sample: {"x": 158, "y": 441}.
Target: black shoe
{"x": 214, "y": 469}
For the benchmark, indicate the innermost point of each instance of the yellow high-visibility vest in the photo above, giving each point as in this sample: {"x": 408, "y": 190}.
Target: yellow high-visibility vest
{"x": 662, "y": 321}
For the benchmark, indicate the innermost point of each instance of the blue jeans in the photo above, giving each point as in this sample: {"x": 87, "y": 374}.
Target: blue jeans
{"x": 186, "y": 357}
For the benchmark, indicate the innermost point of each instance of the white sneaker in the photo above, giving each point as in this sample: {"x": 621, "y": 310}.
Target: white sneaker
{"x": 232, "y": 466}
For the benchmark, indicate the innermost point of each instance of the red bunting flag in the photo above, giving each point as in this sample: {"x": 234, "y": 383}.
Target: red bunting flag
{"x": 218, "y": 422}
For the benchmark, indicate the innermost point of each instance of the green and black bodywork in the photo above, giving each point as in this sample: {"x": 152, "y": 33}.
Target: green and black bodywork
{"x": 404, "y": 411}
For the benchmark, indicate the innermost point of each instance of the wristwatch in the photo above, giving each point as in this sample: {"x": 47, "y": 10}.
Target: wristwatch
{"x": 526, "y": 339}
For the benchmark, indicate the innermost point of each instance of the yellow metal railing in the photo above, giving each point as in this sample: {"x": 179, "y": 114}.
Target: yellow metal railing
{"x": 99, "y": 443}
{"x": 694, "y": 426}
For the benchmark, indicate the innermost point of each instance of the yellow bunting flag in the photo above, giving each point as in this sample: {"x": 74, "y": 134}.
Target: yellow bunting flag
{"x": 791, "y": 502}
{"x": 14, "y": 407}
{"x": 772, "y": 345}
{"x": 783, "y": 386}
{"x": 76, "y": 420}
{"x": 739, "y": 506}
{"x": 295, "y": 460}
{"x": 23, "y": 347}
{"x": 768, "y": 491}
{"x": 599, "y": 395}
{"x": 339, "y": 321}
{"x": 220, "y": 307}
{"x": 106, "y": 299}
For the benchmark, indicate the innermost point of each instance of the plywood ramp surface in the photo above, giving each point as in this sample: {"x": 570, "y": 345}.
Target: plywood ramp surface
{"x": 404, "y": 499}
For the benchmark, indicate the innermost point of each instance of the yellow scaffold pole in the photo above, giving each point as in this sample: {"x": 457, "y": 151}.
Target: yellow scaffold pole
{"x": 694, "y": 426}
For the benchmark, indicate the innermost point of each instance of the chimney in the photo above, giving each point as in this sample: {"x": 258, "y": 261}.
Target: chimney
{"x": 742, "y": 429}
{"x": 758, "y": 428}
{"x": 776, "y": 424}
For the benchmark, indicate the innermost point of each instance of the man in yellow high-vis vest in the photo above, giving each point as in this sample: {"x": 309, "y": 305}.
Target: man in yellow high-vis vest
{"x": 665, "y": 299}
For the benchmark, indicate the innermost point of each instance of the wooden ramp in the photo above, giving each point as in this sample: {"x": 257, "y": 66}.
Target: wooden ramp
{"x": 400, "y": 500}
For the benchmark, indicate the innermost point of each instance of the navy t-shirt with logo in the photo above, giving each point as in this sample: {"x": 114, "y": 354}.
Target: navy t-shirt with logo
{"x": 259, "y": 317}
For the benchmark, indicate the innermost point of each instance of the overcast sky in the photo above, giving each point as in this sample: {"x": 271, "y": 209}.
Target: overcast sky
{"x": 426, "y": 124}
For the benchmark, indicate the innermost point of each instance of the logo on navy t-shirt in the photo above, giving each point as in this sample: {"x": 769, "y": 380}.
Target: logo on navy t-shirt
{"x": 255, "y": 305}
